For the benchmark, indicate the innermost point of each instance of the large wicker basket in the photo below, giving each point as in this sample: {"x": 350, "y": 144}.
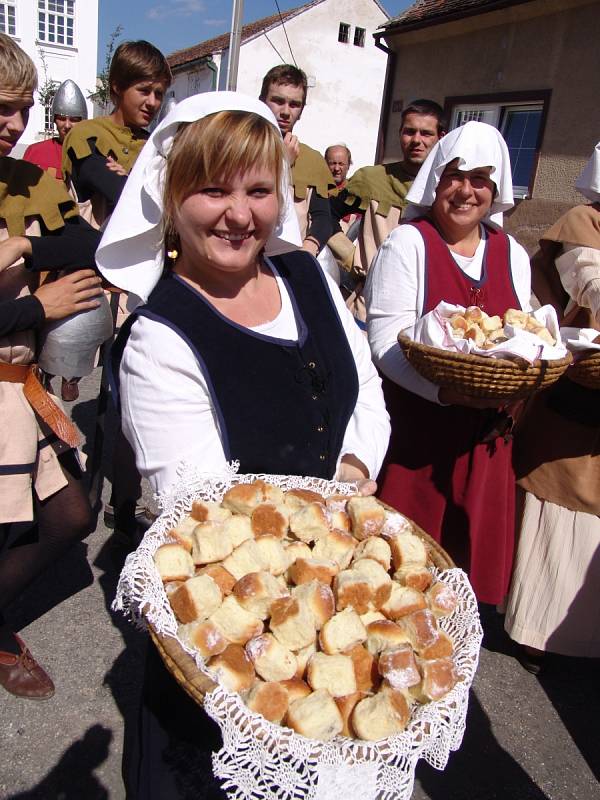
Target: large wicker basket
{"x": 586, "y": 371}
{"x": 479, "y": 376}
{"x": 183, "y": 667}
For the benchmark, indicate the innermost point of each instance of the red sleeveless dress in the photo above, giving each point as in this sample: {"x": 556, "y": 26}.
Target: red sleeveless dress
{"x": 438, "y": 471}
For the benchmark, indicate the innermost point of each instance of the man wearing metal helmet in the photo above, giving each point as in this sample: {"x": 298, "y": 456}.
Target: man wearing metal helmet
{"x": 68, "y": 108}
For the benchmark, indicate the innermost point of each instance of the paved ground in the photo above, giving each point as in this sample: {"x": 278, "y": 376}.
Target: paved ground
{"x": 527, "y": 738}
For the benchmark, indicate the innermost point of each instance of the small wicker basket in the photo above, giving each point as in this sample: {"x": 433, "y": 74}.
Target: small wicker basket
{"x": 586, "y": 371}
{"x": 183, "y": 667}
{"x": 479, "y": 376}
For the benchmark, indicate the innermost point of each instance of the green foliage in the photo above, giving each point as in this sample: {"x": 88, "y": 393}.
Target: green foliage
{"x": 102, "y": 94}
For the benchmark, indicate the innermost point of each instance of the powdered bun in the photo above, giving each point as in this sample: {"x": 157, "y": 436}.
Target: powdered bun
{"x": 269, "y": 699}
{"x": 273, "y": 553}
{"x": 407, "y": 549}
{"x": 310, "y": 522}
{"x": 375, "y": 548}
{"x": 270, "y": 519}
{"x": 210, "y": 543}
{"x": 247, "y": 557}
{"x": 243, "y": 498}
{"x": 365, "y": 668}
{"x": 173, "y": 562}
{"x": 380, "y": 716}
{"x": 182, "y": 532}
{"x": 303, "y": 657}
{"x": 415, "y": 577}
{"x": 234, "y": 622}
{"x": 399, "y": 667}
{"x": 196, "y": 599}
{"x": 257, "y": 591}
{"x": 294, "y": 550}
{"x": 346, "y": 707}
{"x": 305, "y": 570}
{"x": 367, "y": 516}
{"x": 295, "y": 689}
{"x": 237, "y": 528}
{"x": 292, "y": 623}
{"x": 205, "y": 637}
{"x": 442, "y": 599}
{"x": 319, "y": 599}
{"x": 342, "y": 632}
{"x": 384, "y": 634}
{"x": 233, "y": 669}
{"x": 294, "y": 499}
{"x": 224, "y": 580}
{"x": 402, "y": 601}
{"x": 271, "y": 660}
{"x": 439, "y": 677}
{"x": 334, "y": 673}
{"x": 336, "y": 546}
{"x": 207, "y": 511}
{"x": 315, "y": 716}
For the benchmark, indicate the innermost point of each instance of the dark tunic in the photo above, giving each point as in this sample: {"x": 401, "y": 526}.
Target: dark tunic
{"x": 438, "y": 472}
{"x": 283, "y": 407}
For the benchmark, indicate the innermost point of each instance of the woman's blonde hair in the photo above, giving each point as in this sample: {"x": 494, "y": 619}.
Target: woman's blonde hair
{"x": 214, "y": 149}
{"x": 17, "y": 70}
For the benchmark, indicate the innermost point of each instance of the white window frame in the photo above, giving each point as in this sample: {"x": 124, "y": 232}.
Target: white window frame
{"x": 6, "y": 6}
{"x": 494, "y": 114}
{"x": 52, "y": 16}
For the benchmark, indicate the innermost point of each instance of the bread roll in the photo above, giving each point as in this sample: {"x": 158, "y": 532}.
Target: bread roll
{"x": 303, "y": 657}
{"x": 336, "y": 546}
{"x": 210, "y": 543}
{"x": 371, "y": 616}
{"x": 346, "y": 707}
{"x": 340, "y": 521}
{"x": 407, "y": 549}
{"x": 353, "y": 590}
{"x": 182, "y": 532}
{"x": 224, "y": 580}
{"x": 367, "y": 516}
{"x": 365, "y": 668}
{"x": 396, "y": 523}
{"x": 380, "y": 716}
{"x": 310, "y": 522}
{"x": 270, "y": 519}
{"x": 442, "y": 599}
{"x": 272, "y": 551}
{"x": 257, "y": 591}
{"x": 342, "y": 632}
{"x": 233, "y": 669}
{"x": 294, "y": 499}
{"x": 243, "y": 498}
{"x": 234, "y": 622}
{"x": 315, "y": 716}
{"x": 270, "y": 493}
{"x": 173, "y": 562}
{"x": 515, "y": 317}
{"x": 294, "y": 550}
{"x": 442, "y": 647}
{"x": 319, "y": 599}
{"x": 335, "y": 673}
{"x": 237, "y": 528}
{"x": 337, "y": 502}
{"x": 419, "y": 578}
{"x": 402, "y": 601}
{"x": 295, "y": 689}
{"x": 196, "y": 599}
{"x": 439, "y": 677}
{"x": 422, "y": 629}
{"x": 399, "y": 667}
{"x": 375, "y": 548}
{"x": 292, "y": 623}
{"x": 379, "y": 581}
{"x": 208, "y": 511}
{"x": 384, "y": 634}
{"x": 305, "y": 570}
{"x": 269, "y": 699}
{"x": 247, "y": 557}
{"x": 489, "y": 324}
{"x": 205, "y": 637}
{"x": 474, "y": 314}
{"x": 271, "y": 660}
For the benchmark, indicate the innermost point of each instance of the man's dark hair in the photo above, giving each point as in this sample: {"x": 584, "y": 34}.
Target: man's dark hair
{"x": 426, "y": 108}
{"x": 284, "y": 73}
{"x": 134, "y": 62}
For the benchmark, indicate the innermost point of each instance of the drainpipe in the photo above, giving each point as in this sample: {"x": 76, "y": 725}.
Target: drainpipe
{"x": 215, "y": 71}
{"x": 387, "y": 96}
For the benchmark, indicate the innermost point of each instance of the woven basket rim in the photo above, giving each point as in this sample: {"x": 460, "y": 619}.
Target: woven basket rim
{"x": 182, "y": 666}
{"x": 474, "y": 359}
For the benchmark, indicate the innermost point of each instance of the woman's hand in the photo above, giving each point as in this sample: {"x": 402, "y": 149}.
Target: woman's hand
{"x": 70, "y": 294}
{"x": 450, "y": 397}
{"x": 352, "y": 470}
{"x": 115, "y": 167}
{"x": 12, "y": 249}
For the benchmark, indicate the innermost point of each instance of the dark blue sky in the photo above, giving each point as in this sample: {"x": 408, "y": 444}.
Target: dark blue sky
{"x": 173, "y": 24}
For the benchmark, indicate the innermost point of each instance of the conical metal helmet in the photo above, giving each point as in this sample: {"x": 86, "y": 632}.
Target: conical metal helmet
{"x": 69, "y": 100}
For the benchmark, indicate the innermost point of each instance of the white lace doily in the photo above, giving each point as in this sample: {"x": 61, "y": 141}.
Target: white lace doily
{"x": 265, "y": 761}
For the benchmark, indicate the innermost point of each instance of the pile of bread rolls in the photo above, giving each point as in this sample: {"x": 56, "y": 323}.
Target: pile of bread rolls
{"x": 321, "y": 612}
{"x": 487, "y": 332}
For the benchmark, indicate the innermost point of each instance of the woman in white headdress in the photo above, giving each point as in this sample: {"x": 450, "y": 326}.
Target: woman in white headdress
{"x": 446, "y": 468}
{"x": 553, "y": 605}
{"x": 235, "y": 354}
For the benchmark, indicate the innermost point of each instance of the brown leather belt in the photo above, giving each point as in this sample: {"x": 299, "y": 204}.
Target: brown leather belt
{"x": 40, "y": 401}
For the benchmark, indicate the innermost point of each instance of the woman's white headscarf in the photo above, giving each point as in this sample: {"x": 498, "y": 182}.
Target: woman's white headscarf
{"x": 588, "y": 183}
{"x": 131, "y": 253}
{"x": 475, "y": 144}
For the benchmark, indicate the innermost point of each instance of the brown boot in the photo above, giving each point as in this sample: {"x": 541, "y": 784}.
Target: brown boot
{"x": 22, "y": 676}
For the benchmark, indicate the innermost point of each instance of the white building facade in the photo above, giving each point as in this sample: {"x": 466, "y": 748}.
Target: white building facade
{"x": 61, "y": 36}
{"x": 331, "y": 40}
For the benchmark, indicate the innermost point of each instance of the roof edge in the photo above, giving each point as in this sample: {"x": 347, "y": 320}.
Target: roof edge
{"x": 396, "y": 26}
